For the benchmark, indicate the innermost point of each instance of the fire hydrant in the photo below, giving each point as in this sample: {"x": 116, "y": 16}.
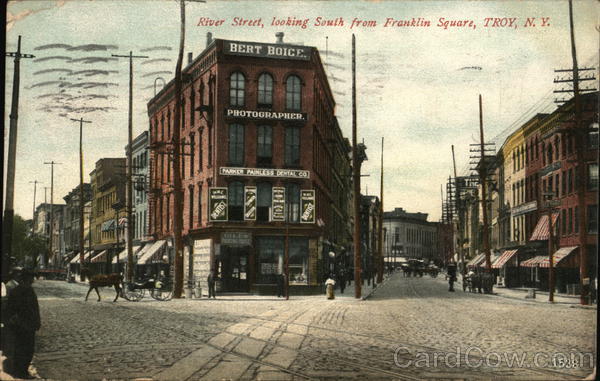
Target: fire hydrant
{"x": 330, "y": 283}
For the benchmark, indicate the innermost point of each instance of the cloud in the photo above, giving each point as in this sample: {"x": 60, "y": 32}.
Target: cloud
{"x": 154, "y": 48}
{"x": 89, "y": 85}
{"x": 48, "y": 83}
{"x": 53, "y": 71}
{"x": 52, "y": 46}
{"x": 89, "y": 60}
{"x": 157, "y": 73}
{"x": 156, "y": 60}
{"x": 54, "y": 95}
{"x": 93, "y": 47}
{"x": 92, "y": 72}
{"x": 68, "y": 59}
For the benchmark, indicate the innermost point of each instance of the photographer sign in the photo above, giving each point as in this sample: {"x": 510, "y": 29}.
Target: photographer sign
{"x": 217, "y": 204}
{"x": 307, "y": 199}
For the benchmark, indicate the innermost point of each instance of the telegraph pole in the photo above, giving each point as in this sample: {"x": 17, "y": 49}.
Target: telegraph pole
{"x": 460, "y": 224}
{"x": 52, "y": 164}
{"x": 549, "y": 205}
{"x": 9, "y": 213}
{"x": 35, "y": 183}
{"x": 483, "y": 179}
{"x": 356, "y": 178}
{"x": 380, "y": 227}
{"x": 81, "y": 198}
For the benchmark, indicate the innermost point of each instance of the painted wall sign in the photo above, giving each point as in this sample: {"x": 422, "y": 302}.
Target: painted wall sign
{"x": 236, "y": 238}
{"x": 267, "y": 115}
{"x": 217, "y": 210}
{"x": 278, "y": 210}
{"x": 250, "y": 203}
{"x": 201, "y": 262}
{"x": 307, "y": 204}
{"x": 279, "y": 51}
{"x": 264, "y": 172}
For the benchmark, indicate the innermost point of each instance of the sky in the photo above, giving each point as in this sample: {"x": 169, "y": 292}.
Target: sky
{"x": 417, "y": 86}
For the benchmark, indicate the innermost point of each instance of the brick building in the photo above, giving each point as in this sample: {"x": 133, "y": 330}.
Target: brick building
{"x": 262, "y": 146}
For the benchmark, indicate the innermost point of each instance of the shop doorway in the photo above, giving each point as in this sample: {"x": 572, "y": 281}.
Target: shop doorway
{"x": 234, "y": 269}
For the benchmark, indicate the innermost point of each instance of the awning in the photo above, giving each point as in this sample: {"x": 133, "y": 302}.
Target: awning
{"x": 534, "y": 262}
{"x": 153, "y": 253}
{"x": 477, "y": 260}
{"x": 493, "y": 258}
{"x": 123, "y": 221}
{"x": 558, "y": 256}
{"x": 100, "y": 257}
{"x": 542, "y": 231}
{"x": 85, "y": 257}
{"x": 108, "y": 225}
{"x": 505, "y": 257}
{"x": 123, "y": 254}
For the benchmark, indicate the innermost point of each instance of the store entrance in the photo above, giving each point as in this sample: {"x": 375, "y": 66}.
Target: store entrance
{"x": 234, "y": 268}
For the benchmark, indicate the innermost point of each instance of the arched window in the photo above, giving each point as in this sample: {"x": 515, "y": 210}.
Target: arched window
{"x": 265, "y": 90}
{"x": 293, "y": 93}
{"x": 237, "y": 85}
{"x": 236, "y": 201}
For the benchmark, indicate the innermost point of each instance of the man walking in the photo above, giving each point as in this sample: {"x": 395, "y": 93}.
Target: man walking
{"x": 22, "y": 321}
{"x": 211, "y": 284}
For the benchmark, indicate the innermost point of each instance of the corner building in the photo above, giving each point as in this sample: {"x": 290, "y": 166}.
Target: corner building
{"x": 263, "y": 159}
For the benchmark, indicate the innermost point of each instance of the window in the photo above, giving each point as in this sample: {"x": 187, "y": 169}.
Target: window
{"x": 563, "y": 183}
{"x": 293, "y": 93}
{"x": 182, "y": 158}
{"x": 236, "y": 89}
{"x": 199, "y": 204}
{"x": 570, "y": 221}
{"x": 264, "y": 146}
{"x": 593, "y": 137}
{"x": 265, "y": 90}
{"x": 570, "y": 181}
{"x": 192, "y": 106}
{"x": 236, "y": 144}
{"x": 576, "y": 220}
{"x": 549, "y": 154}
{"x": 192, "y": 153}
{"x": 593, "y": 176}
{"x": 563, "y": 224}
{"x": 191, "y": 208}
{"x": 236, "y": 201}
{"x": 298, "y": 260}
{"x": 292, "y": 199}
{"x": 270, "y": 259}
{"x": 263, "y": 202}
{"x": 200, "y": 151}
{"x": 592, "y": 218}
{"x": 292, "y": 146}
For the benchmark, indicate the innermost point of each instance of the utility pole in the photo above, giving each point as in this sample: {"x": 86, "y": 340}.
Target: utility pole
{"x": 287, "y": 255}
{"x": 129, "y": 185}
{"x": 81, "y": 200}
{"x": 549, "y": 209}
{"x": 380, "y": 227}
{"x": 356, "y": 178}
{"x": 52, "y": 164}
{"x": 9, "y": 213}
{"x": 460, "y": 222}
{"x": 35, "y": 183}
{"x": 483, "y": 179}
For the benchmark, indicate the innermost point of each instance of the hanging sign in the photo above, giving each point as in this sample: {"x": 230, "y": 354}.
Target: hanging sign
{"x": 264, "y": 172}
{"x": 250, "y": 203}
{"x": 278, "y": 203}
{"x": 217, "y": 210}
{"x": 307, "y": 201}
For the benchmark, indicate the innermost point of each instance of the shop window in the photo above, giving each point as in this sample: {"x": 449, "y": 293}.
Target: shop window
{"x": 292, "y": 199}
{"x": 263, "y": 202}
{"x": 293, "y": 93}
{"x": 237, "y": 84}
{"x": 270, "y": 259}
{"x": 264, "y": 146}
{"x": 593, "y": 136}
{"x": 265, "y": 90}
{"x": 236, "y": 201}
{"x": 236, "y": 144}
{"x": 298, "y": 260}
{"x": 592, "y": 176}
{"x": 592, "y": 219}
{"x": 292, "y": 146}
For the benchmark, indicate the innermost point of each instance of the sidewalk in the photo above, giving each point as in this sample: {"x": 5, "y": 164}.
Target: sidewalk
{"x": 5, "y": 376}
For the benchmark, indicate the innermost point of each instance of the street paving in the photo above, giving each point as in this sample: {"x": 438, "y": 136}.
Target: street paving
{"x": 408, "y": 329}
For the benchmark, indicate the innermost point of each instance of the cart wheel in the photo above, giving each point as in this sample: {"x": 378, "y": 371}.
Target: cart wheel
{"x": 132, "y": 294}
{"x": 163, "y": 290}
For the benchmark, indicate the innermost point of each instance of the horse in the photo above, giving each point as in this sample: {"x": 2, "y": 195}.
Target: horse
{"x": 103, "y": 280}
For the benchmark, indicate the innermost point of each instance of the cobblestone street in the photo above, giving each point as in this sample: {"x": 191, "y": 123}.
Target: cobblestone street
{"x": 410, "y": 328}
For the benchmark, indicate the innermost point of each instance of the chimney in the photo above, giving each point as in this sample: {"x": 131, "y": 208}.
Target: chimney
{"x": 208, "y": 39}
{"x": 279, "y": 36}
{"x": 190, "y": 58}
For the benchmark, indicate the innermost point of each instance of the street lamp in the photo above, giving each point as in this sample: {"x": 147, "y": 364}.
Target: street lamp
{"x": 332, "y": 262}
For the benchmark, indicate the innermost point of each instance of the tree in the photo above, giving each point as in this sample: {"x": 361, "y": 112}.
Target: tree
{"x": 26, "y": 247}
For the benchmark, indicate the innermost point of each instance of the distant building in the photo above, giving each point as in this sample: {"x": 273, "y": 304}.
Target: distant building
{"x": 71, "y": 218}
{"x": 370, "y": 220}
{"x": 140, "y": 158}
{"x": 409, "y": 235}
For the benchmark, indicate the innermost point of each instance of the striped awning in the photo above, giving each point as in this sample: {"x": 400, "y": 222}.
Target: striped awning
{"x": 153, "y": 253}
{"x": 123, "y": 254}
{"x": 558, "y": 256}
{"x": 493, "y": 258}
{"x": 477, "y": 260}
{"x": 534, "y": 262}
{"x": 505, "y": 257}
{"x": 85, "y": 257}
{"x": 542, "y": 230}
{"x": 100, "y": 257}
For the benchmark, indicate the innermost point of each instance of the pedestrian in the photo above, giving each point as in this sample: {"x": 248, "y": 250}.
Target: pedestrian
{"x": 342, "y": 280}
{"x": 451, "y": 276}
{"x": 280, "y": 285}
{"x": 22, "y": 317}
{"x": 211, "y": 284}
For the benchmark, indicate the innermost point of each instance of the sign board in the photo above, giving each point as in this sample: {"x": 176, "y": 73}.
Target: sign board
{"x": 217, "y": 210}
{"x": 307, "y": 204}
{"x": 266, "y": 115}
{"x": 264, "y": 172}
{"x": 255, "y": 49}
{"x": 278, "y": 210}
{"x": 268, "y": 268}
{"x": 250, "y": 203}
{"x": 236, "y": 238}
{"x": 201, "y": 262}
{"x": 524, "y": 208}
